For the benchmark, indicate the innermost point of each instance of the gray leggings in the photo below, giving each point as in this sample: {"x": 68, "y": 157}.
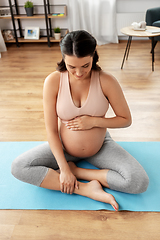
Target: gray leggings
{"x": 125, "y": 173}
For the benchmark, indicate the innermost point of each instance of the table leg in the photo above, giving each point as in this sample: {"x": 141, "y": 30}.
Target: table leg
{"x": 127, "y": 50}
{"x": 155, "y": 43}
{"x": 152, "y": 53}
{"x": 130, "y": 40}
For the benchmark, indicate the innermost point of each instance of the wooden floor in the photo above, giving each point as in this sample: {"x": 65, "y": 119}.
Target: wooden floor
{"x": 22, "y": 73}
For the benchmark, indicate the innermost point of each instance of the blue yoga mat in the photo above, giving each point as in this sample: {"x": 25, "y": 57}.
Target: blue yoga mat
{"x": 15, "y": 194}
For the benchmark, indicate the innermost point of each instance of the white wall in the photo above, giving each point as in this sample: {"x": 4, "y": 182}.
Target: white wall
{"x": 127, "y": 12}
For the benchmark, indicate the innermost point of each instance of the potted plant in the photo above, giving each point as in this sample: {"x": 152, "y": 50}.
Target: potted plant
{"x": 57, "y": 33}
{"x": 29, "y": 8}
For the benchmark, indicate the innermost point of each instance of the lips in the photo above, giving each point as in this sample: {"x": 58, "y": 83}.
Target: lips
{"x": 79, "y": 76}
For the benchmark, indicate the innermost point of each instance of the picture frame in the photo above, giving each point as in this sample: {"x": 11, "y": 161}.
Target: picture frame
{"x": 32, "y": 33}
{"x": 8, "y": 35}
{"x": 5, "y": 12}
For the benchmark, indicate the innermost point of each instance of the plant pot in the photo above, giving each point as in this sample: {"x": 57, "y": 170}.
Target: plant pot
{"x": 57, "y": 36}
{"x": 29, "y": 11}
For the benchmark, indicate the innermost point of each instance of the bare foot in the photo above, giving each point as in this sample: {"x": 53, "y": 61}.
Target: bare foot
{"x": 96, "y": 192}
{"x": 90, "y": 174}
{"x": 94, "y": 188}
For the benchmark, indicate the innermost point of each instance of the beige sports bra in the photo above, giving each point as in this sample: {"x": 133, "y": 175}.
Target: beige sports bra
{"x": 96, "y": 103}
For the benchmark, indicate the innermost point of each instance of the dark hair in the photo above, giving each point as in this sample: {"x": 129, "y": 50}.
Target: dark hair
{"x": 80, "y": 44}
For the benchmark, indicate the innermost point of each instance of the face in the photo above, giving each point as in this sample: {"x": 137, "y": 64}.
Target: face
{"x": 79, "y": 68}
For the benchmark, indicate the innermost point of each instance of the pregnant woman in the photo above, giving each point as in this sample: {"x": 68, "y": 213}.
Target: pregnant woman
{"x": 76, "y": 98}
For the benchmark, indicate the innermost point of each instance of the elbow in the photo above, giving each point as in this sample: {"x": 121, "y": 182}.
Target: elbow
{"x": 129, "y": 121}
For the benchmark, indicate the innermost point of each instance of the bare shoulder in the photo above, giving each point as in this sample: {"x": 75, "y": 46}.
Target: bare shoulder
{"x": 52, "y": 79}
{"x": 51, "y": 83}
{"x": 107, "y": 78}
{"x": 109, "y": 83}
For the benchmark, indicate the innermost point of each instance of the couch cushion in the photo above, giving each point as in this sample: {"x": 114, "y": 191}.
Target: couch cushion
{"x": 156, "y": 24}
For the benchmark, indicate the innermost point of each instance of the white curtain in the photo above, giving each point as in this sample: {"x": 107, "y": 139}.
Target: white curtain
{"x": 2, "y": 44}
{"x": 95, "y": 16}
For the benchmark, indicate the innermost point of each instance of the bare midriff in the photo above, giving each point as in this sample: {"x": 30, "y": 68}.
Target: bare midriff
{"x": 84, "y": 143}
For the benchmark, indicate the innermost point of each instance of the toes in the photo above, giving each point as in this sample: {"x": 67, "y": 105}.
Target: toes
{"x": 113, "y": 203}
{"x": 115, "y": 208}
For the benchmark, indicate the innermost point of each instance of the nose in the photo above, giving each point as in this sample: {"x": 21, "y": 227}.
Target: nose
{"x": 79, "y": 72}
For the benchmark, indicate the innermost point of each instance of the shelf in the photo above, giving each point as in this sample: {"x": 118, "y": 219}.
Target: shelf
{"x": 47, "y": 15}
{"x": 41, "y": 39}
{"x": 8, "y": 17}
{"x": 36, "y": 16}
{"x": 52, "y": 39}
{"x": 24, "y": 16}
{"x": 65, "y": 13}
{"x": 50, "y": 16}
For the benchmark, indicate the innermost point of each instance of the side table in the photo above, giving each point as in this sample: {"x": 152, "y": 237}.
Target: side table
{"x": 139, "y": 33}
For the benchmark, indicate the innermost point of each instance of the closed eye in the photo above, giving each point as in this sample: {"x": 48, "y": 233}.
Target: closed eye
{"x": 71, "y": 67}
{"x": 85, "y": 66}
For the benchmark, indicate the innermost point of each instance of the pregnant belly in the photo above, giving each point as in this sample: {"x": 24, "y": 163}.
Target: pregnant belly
{"x": 82, "y": 143}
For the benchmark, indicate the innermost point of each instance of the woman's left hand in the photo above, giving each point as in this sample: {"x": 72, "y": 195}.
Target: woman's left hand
{"x": 80, "y": 123}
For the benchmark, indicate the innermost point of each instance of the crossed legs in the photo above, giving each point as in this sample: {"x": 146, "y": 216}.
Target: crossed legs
{"x": 92, "y": 189}
{"x": 39, "y": 167}
{"x": 118, "y": 171}
{"x": 90, "y": 174}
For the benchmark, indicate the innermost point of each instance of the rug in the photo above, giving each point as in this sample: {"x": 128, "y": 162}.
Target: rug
{"x": 15, "y": 194}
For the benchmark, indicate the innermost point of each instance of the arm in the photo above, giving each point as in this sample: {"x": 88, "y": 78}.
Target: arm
{"x": 113, "y": 92}
{"x": 152, "y": 15}
{"x": 50, "y": 91}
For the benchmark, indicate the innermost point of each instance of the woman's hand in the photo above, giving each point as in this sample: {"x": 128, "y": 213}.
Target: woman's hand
{"x": 80, "y": 123}
{"x": 68, "y": 182}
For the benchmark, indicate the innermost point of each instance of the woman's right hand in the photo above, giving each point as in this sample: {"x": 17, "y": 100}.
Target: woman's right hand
{"x": 68, "y": 182}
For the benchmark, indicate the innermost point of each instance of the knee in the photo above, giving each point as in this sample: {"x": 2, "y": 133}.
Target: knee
{"x": 142, "y": 183}
{"x": 128, "y": 182}
{"x": 16, "y": 168}
{"x": 138, "y": 184}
